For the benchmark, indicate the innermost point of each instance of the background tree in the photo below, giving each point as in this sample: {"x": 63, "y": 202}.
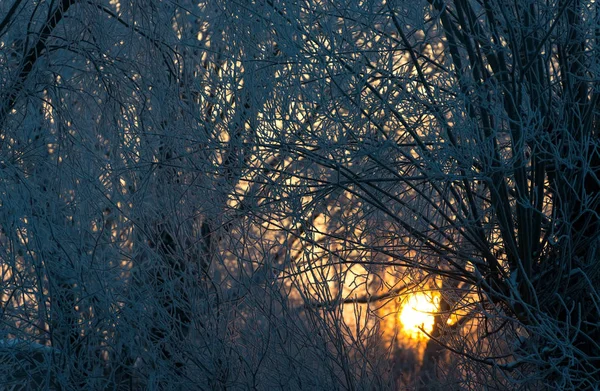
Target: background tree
{"x": 243, "y": 195}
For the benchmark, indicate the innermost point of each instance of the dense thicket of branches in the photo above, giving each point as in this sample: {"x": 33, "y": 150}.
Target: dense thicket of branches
{"x": 215, "y": 195}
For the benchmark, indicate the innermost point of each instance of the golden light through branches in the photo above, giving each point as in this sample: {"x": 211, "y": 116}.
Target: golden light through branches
{"x": 418, "y": 314}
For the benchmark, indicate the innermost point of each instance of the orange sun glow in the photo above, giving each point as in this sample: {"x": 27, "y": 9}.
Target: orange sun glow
{"x": 418, "y": 313}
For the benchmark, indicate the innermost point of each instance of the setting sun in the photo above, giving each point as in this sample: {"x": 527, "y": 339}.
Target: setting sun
{"x": 418, "y": 312}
